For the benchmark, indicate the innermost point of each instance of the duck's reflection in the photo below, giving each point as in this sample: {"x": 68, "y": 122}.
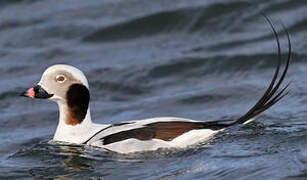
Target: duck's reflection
{"x": 69, "y": 162}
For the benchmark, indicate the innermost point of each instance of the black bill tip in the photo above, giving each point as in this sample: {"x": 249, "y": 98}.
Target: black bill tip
{"x": 36, "y": 92}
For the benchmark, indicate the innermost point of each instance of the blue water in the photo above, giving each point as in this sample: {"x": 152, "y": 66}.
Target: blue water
{"x": 204, "y": 60}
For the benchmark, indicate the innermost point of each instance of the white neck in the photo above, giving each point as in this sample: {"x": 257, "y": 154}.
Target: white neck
{"x": 74, "y": 133}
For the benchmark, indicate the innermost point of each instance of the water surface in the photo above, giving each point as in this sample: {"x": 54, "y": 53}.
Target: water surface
{"x": 204, "y": 60}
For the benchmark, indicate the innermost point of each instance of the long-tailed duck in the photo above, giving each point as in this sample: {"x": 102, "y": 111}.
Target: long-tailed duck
{"x": 68, "y": 87}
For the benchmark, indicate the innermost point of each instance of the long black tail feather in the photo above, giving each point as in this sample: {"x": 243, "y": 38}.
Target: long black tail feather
{"x": 270, "y": 97}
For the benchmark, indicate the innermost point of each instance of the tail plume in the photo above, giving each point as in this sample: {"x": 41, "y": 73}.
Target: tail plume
{"x": 272, "y": 95}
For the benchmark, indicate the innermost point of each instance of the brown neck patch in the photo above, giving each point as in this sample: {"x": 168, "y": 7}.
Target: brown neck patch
{"x": 78, "y": 98}
{"x": 70, "y": 119}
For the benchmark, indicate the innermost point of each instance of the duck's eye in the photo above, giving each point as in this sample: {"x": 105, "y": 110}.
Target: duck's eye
{"x": 60, "y": 78}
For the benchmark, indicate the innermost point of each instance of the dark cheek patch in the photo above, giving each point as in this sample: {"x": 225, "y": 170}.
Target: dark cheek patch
{"x": 78, "y": 98}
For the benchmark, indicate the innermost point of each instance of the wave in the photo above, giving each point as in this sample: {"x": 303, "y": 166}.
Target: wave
{"x": 179, "y": 20}
{"x": 212, "y": 65}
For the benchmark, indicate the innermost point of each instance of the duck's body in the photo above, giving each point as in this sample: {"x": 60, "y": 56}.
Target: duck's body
{"x": 140, "y": 135}
{"x": 68, "y": 87}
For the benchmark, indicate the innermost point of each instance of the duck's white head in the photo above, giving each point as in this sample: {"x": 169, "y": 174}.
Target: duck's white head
{"x": 67, "y": 86}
